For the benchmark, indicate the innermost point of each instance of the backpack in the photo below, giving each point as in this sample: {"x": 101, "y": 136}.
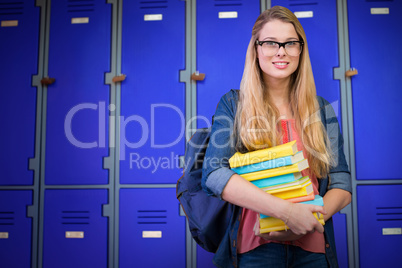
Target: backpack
{"x": 208, "y": 216}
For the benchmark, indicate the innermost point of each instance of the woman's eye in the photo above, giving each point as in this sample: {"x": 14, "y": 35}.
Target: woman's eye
{"x": 291, "y": 44}
{"x": 270, "y": 44}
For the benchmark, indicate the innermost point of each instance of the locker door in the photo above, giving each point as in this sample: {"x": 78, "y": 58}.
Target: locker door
{"x": 380, "y": 223}
{"x": 319, "y": 21}
{"x": 221, "y": 49}
{"x": 152, "y": 234}
{"x": 377, "y": 110}
{"x": 15, "y": 229}
{"x": 152, "y": 98}
{"x": 75, "y": 233}
{"x": 204, "y": 258}
{"x": 341, "y": 236}
{"x": 19, "y": 35}
{"x": 77, "y": 103}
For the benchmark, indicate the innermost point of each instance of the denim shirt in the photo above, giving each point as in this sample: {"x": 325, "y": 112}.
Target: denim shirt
{"x": 216, "y": 172}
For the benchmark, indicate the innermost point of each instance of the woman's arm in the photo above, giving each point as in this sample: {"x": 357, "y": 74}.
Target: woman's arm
{"x": 335, "y": 200}
{"x": 298, "y": 217}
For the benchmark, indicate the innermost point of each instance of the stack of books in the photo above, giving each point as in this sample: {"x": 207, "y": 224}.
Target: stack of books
{"x": 277, "y": 170}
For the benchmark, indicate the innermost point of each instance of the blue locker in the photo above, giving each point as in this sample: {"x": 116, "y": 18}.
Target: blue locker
{"x": 152, "y": 234}
{"x": 322, "y": 37}
{"x": 78, "y": 102}
{"x": 152, "y": 98}
{"x": 377, "y": 110}
{"x": 15, "y": 229}
{"x": 19, "y": 35}
{"x": 380, "y": 222}
{"x": 204, "y": 258}
{"x": 221, "y": 50}
{"x": 341, "y": 242}
{"x": 75, "y": 233}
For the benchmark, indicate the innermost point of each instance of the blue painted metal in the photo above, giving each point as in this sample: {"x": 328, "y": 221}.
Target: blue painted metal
{"x": 15, "y": 251}
{"x": 19, "y": 61}
{"x": 376, "y": 92}
{"x": 75, "y": 211}
{"x": 152, "y": 98}
{"x": 378, "y": 207}
{"x": 155, "y": 210}
{"x": 77, "y": 135}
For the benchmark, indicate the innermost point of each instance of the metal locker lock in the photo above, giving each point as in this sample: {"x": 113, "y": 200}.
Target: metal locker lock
{"x": 197, "y": 76}
{"x": 351, "y": 72}
{"x": 47, "y": 81}
{"x": 119, "y": 78}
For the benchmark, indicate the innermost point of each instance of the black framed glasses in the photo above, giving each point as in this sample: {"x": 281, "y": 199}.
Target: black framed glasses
{"x": 270, "y": 48}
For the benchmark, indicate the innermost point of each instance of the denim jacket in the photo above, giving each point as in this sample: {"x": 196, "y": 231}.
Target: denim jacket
{"x": 216, "y": 172}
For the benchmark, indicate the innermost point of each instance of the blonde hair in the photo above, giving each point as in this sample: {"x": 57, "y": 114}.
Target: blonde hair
{"x": 257, "y": 121}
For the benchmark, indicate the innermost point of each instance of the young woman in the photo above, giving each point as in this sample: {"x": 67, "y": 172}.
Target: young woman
{"x": 277, "y": 103}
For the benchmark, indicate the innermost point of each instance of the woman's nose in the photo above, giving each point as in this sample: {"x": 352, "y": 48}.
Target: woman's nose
{"x": 281, "y": 51}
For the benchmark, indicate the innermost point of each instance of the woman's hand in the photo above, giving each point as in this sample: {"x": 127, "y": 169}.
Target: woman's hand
{"x": 301, "y": 219}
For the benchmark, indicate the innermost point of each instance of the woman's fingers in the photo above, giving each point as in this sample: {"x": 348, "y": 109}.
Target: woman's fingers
{"x": 301, "y": 221}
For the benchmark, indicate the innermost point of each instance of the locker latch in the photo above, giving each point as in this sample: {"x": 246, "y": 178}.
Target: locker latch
{"x": 351, "y": 72}
{"x": 47, "y": 81}
{"x": 197, "y": 76}
{"x": 119, "y": 78}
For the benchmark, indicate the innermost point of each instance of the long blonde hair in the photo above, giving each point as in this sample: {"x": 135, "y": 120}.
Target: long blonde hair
{"x": 257, "y": 121}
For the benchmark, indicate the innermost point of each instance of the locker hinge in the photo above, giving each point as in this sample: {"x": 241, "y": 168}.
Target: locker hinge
{"x": 185, "y": 76}
{"x": 346, "y": 210}
{"x": 107, "y": 210}
{"x": 31, "y": 211}
{"x": 111, "y": 1}
{"x": 108, "y": 162}
{"x": 36, "y": 81}
{"x": 181, "y": 211}
{"x": 33, "y": 164}
{"x": 109, "y": 78}
{"x": 181, "y": 161}
{"x": 339, "y": 73}
{"x": 40, "y": 3}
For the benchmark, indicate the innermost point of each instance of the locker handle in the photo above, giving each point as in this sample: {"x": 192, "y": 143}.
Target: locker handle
{"x": 47, "y": 81}
{"x": 119, "y": 78}
{"x": 197, "y": 76}
{"x": 351, "y": 72}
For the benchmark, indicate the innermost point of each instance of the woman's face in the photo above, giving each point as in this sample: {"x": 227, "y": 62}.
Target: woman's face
{"x": 279, "y": 66}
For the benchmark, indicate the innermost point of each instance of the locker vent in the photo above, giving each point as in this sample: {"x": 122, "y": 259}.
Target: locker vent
{"x": 75, "y": 217}
{"x": 80, "y": 5}
{"x": 152, "y": 216}
{"x": 153, "y": 4}
{"x": 389, "y": 213}
{"x": 11, "y": 8}
{"x": 302, "y": 3}
{"x": 228, "y": 3}
{"x": 6, "y": 218}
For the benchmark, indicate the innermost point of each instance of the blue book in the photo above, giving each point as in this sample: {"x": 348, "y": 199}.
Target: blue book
{"x": 274, "y": 163}
{"x": 317, "y": 201}
{"x": 263, "y": 183}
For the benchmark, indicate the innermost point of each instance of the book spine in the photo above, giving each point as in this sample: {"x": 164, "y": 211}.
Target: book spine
{"x": 270, "y": 164}
{"x": 274, "y": 224}
{"x": 299, "y": 166}
{"x": 239, "y": 159}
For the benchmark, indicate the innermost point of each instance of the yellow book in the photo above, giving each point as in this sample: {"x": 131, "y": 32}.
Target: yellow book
{"x": 272, "y": 224}
{"x": 303, "y": 189}
{"x": 268, "y": 173}
{"x": 239, "y": 159}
